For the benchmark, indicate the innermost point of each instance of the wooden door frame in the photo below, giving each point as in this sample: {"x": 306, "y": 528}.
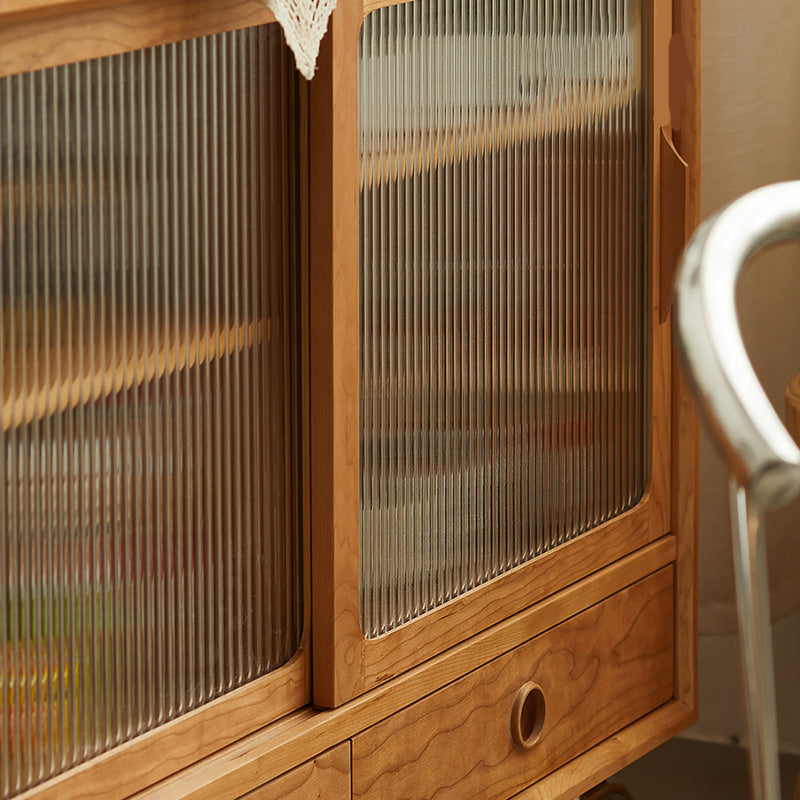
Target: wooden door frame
{"x": 35, "y": 34}
{"x": 345, "y": 663}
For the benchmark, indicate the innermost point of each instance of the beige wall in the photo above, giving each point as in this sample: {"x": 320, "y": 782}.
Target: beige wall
{"x": 750, "y": 137}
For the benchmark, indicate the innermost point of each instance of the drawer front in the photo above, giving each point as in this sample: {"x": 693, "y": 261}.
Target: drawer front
{"x": 510, "y": 722}
{"x": 326, "y": 777}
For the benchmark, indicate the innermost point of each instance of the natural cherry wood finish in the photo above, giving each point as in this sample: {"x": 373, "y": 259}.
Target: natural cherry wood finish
{"x": 372, "y": 5}
{"x": 326, "y": 777}
{"x": 35, "y": 34}
{"x": 685, "y": 92}
{"x": 659, "y": 14}
{"x": 334, "y": 357}
{"x": 673, "y": 197}
{"x": 686, "y": 135}
{"x": 287, "y": 743}
{"x": 611, "y": 755}
{"x": 173, "y": 746}
{"x": 187, "y": 739}
{"x": 599, "y": 671}
{"x": 523, "y": 586}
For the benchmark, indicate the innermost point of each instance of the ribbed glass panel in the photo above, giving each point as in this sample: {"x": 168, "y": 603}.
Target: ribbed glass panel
{"x": 502, "y": 288}
{"x": 149, "y": 477}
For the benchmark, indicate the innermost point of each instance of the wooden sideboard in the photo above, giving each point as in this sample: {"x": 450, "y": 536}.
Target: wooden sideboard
{"x": 543, "y": 681}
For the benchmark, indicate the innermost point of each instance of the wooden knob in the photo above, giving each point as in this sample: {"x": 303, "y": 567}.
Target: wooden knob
{"x": 527, "y": 716}
{"x": 792, "y": 397}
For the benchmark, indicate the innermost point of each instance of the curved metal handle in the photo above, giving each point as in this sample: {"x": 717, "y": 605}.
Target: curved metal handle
{"x": 760, "y": 451}
{"x": 763, "y": 458}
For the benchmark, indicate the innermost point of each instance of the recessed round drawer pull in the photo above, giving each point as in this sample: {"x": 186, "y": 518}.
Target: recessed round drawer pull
{"x": 527, "y": 716}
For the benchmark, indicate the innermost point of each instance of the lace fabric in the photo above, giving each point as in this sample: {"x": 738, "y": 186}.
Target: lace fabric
{"x": 304, "y": 23}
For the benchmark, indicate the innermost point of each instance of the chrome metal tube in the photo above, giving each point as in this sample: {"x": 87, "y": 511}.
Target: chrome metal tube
{"x": 764, "y": 461}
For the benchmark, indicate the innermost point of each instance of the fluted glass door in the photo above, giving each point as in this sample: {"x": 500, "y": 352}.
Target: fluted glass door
{"x": 149, "y": 473}
{"x": 503, "y": 288}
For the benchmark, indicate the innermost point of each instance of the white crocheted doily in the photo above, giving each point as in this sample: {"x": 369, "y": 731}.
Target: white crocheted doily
{"x": 304, "y": 23}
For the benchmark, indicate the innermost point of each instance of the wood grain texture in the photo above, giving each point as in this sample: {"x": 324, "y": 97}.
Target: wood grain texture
{"x": 686, "y": 24}
{"x": 34, "y": 35}
{"x": 792, "y": 400}
{"x": 673, "y": 195}
{"x": 685, "y": 91}
{"x": 611, "y": 755}
{"x": 305, "y": 349}
{"x": 659, "y": 487}
{"x": 685, "y": 515}
{"x": 9, "y": 8}
{"x": 372, "y": 5}
{"x": 599, "y": 671}
{"x": 334, "y": 361}
{"x": 660, "y": 417}
{"x": 80, "y": 386}
{"x": 325, "y": 777}
{"x": 289, "y": 742}
{"x": 175, "y": 745}
{"x": 406, "y": 646}
{"x": 346, "y": 664}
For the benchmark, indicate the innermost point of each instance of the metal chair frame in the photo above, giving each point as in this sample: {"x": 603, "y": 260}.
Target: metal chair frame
{"x": 763, "y": 459}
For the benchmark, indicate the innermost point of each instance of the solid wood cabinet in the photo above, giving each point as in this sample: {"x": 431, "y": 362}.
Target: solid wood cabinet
{"x": 541, "y": 678}
{"x": 599, "y": 671}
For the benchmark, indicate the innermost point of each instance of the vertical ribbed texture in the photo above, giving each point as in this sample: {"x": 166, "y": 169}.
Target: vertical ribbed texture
{"x": 149, "y": 475}
{"x": 502, "y": 288}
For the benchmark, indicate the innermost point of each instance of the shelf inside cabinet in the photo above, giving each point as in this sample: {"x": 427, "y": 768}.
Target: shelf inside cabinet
{"x": 67, "y": 373}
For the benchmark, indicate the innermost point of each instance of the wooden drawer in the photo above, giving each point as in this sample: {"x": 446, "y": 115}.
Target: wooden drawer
{"x": 597, "y": 672}
{"x": 326, "y": 777}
